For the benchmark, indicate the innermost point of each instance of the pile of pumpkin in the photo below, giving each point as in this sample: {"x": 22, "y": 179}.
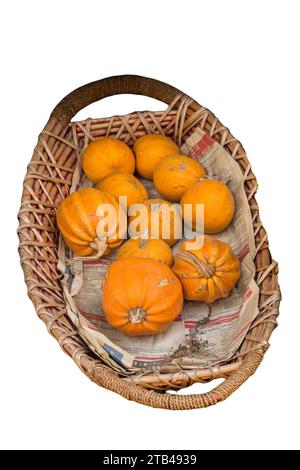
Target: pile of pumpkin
{"x": 145, "y": 287}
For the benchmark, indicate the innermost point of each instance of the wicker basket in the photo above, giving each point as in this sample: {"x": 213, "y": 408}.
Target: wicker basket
{"x": 48, "y": 180}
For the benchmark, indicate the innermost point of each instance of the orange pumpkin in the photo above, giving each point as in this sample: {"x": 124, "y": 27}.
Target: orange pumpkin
{"x": 124, "y": 184}
{"x": 155, "y": 218}
{"x": 218, "y": 205}
{"x": 105, "y": 155}
{"x": 209, "y": 273}
{"x": 149, "y": 150}
{"x": 141, "y": 296}
{"x": 174, "y": 175}
{"x": 83, "y": 222}
{"x": 146, "y": 248}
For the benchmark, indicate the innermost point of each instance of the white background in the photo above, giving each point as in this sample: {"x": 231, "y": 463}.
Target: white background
{"x": 241, "y": 60}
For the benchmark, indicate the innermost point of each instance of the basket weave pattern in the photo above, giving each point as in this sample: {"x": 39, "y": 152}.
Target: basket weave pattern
{"x": 48, "y": 181}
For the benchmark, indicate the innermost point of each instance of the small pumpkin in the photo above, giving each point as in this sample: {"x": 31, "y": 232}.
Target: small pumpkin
{"x": 209, "y": 273}
{"x": 149, "y": 150}
{"x": 146, "y": 248}
{"x": 79, "y": 219}
{"x": 218, "y": 202}
{"x": 141, "y": 296}
{"x": 160, "y": 220}
{"x": 124, "y": 184}
{"x": 105, "y": 155}
{"x": 174, "y": 175}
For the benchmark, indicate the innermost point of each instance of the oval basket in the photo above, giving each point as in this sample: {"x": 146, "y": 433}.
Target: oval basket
{"x": 48, "y": 180}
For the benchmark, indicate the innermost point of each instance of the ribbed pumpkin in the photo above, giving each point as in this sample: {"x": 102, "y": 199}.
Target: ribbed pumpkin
{"x": 209, "y": 273}
{"x": 124, "y": 184}
{"x": 141, "y": 296}
{"x": 218, "y": 204}
{"x": 146, "y": 248}
{"x": 149, "y": 150}
{"x": 79, "y": 220}
{"x": 160, "y": 220}
{"x": 105, "y": 155}
{"x": 174, "y": 175}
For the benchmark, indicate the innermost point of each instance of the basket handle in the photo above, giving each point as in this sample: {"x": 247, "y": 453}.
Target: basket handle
{"x": 78, "y": 99}
{"x": 156, "y": 399}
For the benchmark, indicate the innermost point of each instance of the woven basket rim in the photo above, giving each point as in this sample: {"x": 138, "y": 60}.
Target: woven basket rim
{"x": 37, "y": 245}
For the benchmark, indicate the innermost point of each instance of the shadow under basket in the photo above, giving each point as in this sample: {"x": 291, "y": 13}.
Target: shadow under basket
{"x": 48, "y": 181}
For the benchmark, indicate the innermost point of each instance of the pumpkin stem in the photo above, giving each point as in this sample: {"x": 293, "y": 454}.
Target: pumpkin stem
{"x": 205, "y": 269}
{"x": 137, "y": 315}
{"x": 99, "y": 245}
{"x": 204, "y": 178}
{"x": 143, "y": 242}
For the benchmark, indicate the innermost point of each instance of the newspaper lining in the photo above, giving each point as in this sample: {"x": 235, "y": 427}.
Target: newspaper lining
{"x": 200, "y": 337}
